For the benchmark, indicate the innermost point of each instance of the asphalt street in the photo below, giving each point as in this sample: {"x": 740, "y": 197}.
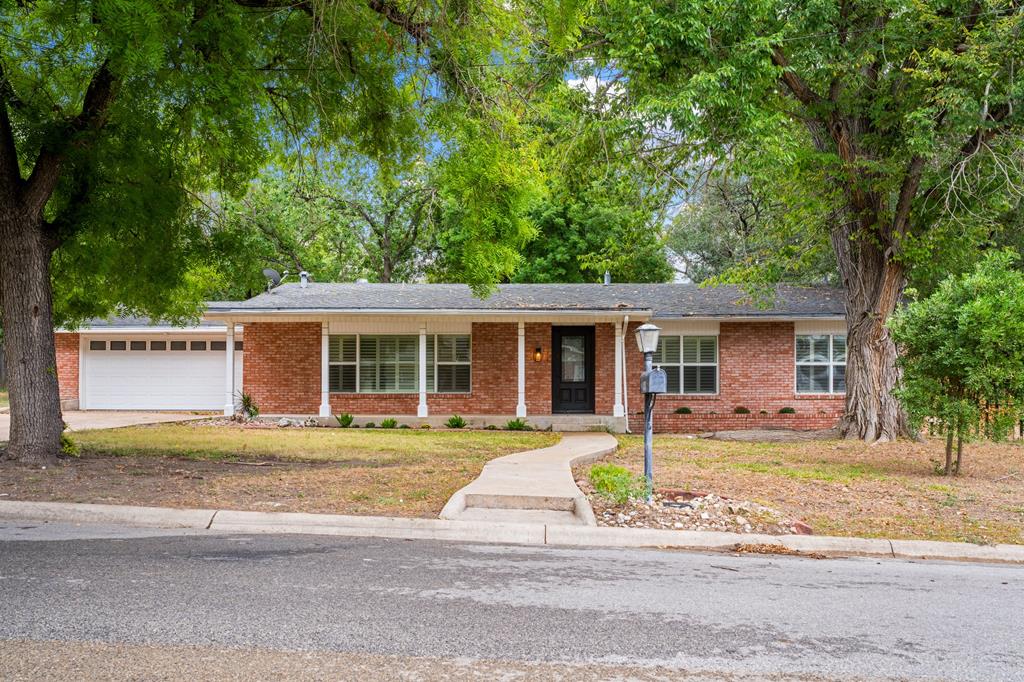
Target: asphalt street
{"x": 97, "y": 602}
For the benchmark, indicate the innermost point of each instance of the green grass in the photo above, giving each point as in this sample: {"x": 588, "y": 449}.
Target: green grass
{"x": 386, "y": 447}
{"x": 4, "y": 401}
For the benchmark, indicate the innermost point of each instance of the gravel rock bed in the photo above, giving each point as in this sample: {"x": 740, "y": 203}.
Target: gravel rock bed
{"x": 685, "y": 512}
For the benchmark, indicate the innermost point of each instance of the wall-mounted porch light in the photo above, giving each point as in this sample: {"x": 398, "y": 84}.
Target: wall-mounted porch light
{"x": 538, "y": 354}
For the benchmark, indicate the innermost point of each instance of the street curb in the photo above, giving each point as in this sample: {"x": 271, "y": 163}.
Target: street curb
{"x": 504, "y": 533}
{"x": 146, "y": 517}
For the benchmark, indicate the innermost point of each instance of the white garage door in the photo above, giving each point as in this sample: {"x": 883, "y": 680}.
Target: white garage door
{"x": 155, "y": 373}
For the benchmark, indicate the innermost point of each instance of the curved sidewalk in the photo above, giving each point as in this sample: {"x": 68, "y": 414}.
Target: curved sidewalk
{"x": 533, "y": 486}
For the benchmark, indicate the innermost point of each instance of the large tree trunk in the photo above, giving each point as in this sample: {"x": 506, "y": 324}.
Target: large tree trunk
{"x": 26, "y": 310}
{"x": 874, "y": 285}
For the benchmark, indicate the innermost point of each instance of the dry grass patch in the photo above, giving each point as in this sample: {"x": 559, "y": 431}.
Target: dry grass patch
{"x": 848, "y": 488}
{"x": 341, "y": 471}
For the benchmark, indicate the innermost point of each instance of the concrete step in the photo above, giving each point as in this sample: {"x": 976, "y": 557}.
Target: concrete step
{"x": 535, "y": 502}
{"x": 549, "y": 517}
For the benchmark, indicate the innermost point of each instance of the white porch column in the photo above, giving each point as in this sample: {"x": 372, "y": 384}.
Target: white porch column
{"x": 325, "y": 370}
{"x": 229, "y": 370}
{"x": 521, "y": 376}
{"x": 421, "y": 409}
{"x": 618, "y": 410}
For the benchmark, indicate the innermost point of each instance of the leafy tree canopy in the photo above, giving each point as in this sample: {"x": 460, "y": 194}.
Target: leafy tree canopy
{"x": 892, "y": 130}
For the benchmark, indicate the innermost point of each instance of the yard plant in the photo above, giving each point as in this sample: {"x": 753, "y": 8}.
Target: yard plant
{"x": 617, "y": 483}
{"x": 962, "y": 355}
{"x": 455, "y": 422}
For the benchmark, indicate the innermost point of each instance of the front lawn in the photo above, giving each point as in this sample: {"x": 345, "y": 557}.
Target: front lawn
{"x": 4, "y": 401}
{"x": 339, "y": 471}
{"x": 848, "y": 488}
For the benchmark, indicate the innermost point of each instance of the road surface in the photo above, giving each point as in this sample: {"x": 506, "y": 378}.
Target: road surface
{"x": 109, "y": 603}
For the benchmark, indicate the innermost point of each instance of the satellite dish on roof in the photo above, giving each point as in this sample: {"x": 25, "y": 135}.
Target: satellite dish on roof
{"x": 273, "y": 277}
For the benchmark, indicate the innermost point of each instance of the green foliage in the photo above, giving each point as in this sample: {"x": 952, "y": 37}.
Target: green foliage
{"x": 684, "y": 410}
{"x": 249, "y": 407}
{"x": 68, "y": 447}
{"x": 739, "y": 409}
{"x": 617, "y": 483}
{"x": 344, "y": 420}
{"x": 733, "y": 227}
{"x": 455, "y": 422}
{"x": 787, "y": 410}
{"x": 517, "y": 424}
{"x": 388, "y": 423}
{"x": 962, "y": 352}
{"x": 204, "y": 93}
{"x": 834, "y": 111}
{"x": 370, "y": 425}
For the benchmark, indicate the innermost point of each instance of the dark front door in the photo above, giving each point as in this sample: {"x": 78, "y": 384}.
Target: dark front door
{"x": 572, "y": 369}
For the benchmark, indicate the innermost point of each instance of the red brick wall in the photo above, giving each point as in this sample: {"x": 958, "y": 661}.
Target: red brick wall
{"x": 282, "y": 366}
{"x": 756, "y": 371}
{"x": 67, "y": 365}
{"x": 282, "y": 373}
{"x": 604, "y": 368}
{"x": 538, "y": 374}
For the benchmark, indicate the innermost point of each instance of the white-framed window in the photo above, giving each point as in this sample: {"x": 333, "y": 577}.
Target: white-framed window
{"x": 449, "y": 362}
{"x": 821, "y": 363}
{"x": 690, "y": 363}
{"x": 362, "y": 363}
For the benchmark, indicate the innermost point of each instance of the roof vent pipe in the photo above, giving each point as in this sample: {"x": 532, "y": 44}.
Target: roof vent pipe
{"x": 607, "y": 277}
{"x": 303, "y": 279}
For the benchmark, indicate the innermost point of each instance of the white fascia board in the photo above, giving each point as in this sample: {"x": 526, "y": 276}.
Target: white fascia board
{"x": 149, "y": 330}
{"x": 236, "y": 313}
{"x": 752, "y": 318}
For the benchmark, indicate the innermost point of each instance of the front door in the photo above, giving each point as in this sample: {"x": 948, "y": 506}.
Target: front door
{"x": 572, "y": 369}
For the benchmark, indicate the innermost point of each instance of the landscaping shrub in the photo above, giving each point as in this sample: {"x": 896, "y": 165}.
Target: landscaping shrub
{"x": 404, "y": 426}
{"x": 787, "y": 410}
{"x": 684, "y": 410}
{"x": 739, "y": 409}
{"x": 249, "y": 407}
{"x": 424, "y": 426}
{"x": 455, "y": 422}
{"x": 517, "y": 425}
{"x": 344, "y": 420}
{"x": 491, "y": 427}
{"x": 68, "y": 447}
{"x": 763, "y": 412}
{"x": 388, "y": 423}
{"x": 617, "y": 483}
{"x": 370, "y": 425}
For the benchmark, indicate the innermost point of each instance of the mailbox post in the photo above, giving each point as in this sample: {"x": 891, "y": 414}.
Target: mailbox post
{"x": 652, "y": 382}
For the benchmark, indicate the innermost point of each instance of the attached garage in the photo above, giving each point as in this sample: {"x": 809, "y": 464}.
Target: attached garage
{"x": 155, "y": 371}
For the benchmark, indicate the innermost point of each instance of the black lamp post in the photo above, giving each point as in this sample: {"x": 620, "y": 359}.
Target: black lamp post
{"x": 652, "y": 382}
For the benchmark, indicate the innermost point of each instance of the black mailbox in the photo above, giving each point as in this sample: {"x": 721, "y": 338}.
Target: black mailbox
{"x": 655, "y": 381}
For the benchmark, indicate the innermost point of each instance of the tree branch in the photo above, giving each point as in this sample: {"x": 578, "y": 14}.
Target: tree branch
{"x": 796, "y": 85}
{"x": 46, "y": 172}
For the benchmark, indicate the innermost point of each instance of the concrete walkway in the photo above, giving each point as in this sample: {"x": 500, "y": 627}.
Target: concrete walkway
{"x": 85, "y": 421}
{"x": 535, "y": 486}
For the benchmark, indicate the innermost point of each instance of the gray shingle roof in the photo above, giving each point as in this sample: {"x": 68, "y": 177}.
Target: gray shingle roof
{"x": 662, "y": 300}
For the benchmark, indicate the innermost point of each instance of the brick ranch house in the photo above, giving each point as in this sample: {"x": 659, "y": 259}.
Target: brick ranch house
{"x": 559, "y": 355}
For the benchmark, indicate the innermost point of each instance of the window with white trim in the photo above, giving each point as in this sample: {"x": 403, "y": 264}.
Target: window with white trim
{"x": 448, "y": 363}
{"x": 821, "y": 363}
{"x": 690, "y": 363}
{"x": 360, "y": 363}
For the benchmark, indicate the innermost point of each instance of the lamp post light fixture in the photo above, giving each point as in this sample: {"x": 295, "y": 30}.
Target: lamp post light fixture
{"x": 652, "y": 382}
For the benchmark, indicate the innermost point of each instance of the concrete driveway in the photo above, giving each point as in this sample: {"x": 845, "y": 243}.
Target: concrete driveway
{"x": 84, "y": 421}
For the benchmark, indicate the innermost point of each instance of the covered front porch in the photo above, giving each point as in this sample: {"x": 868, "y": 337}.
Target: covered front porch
{"x": 560, "y": 371}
